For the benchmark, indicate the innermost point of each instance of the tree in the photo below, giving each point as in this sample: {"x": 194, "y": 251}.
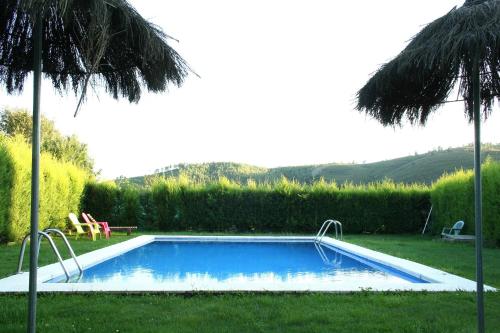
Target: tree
{"x": 14, "y": 121}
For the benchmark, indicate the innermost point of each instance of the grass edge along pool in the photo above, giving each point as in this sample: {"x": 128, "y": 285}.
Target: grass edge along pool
{"x": 438, "y": 280}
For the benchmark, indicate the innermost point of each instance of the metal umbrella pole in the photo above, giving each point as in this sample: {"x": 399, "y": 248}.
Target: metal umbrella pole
{"x": 35, "y": 171}
{"x": 478, "y": 199}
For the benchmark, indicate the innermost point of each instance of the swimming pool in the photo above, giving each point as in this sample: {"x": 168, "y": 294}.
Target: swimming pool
{"x": 250, "y": 262}
{"x": 211, "y": 263}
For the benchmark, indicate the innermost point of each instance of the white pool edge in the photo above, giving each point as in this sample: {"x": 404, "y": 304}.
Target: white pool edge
{"x": 440, "y": 280}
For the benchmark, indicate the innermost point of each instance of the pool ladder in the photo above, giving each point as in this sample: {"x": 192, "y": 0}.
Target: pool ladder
{"x": 46, "y": 233}
{"x": 324, "y": 228}
{"x": 336, "y": 261}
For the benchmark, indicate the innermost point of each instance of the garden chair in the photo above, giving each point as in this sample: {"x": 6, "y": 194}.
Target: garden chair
{"x": 453, "y": 231}
{"x": 93, "y": 229}
{"x": 104, "y": 225}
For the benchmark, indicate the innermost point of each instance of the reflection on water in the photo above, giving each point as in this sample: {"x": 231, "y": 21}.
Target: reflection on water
{"x": 237, "y": 262}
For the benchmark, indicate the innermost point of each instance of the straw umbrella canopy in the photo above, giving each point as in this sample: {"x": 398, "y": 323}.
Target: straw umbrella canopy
{"x": 77, "y": 43}
{"x": 83, "y": 42}
{"x": 460, "y": 49}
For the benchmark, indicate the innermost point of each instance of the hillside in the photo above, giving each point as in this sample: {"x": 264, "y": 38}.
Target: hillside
{"x": 422, "y": 168}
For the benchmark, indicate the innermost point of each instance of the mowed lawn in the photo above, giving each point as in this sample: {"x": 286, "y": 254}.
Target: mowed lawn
{"x": 249, "y": 312}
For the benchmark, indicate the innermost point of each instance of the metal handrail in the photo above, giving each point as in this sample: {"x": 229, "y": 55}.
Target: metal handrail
{"x": 70, "y": 249}
{"x": 321, "y": 229}
{"x": 324, "y": 228}
{"x": 322, "y": 253}
{"x": 46, "y": 234}
{"x": 335, "y": 262}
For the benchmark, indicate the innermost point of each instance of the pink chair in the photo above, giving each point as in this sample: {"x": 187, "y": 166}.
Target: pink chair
{"x": 104, "y": 225}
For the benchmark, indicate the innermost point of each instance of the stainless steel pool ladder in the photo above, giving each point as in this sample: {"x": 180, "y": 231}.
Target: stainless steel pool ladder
{"x": 335, "y": 262}
{"x": 46, "y": 233}
{"x": 324, "y": 228}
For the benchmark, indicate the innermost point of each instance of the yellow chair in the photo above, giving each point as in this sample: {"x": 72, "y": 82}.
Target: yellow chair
{"x": 93, "y": 228}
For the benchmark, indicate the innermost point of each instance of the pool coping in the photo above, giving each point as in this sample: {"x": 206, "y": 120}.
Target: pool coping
{"x": 438, "y": 280}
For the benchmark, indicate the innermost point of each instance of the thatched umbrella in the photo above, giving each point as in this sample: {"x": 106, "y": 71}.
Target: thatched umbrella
{"x": 461, "y": 48}
{"x": 76, "y": 43}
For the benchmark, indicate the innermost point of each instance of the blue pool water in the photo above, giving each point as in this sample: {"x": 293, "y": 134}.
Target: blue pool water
{"x": 178, "y": 261}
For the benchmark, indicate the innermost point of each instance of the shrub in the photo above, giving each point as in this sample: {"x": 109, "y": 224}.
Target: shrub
{"x": 284, "y": 206}
{"x": 19, "y": 122}
{"x": 101, "y": 201}
{"x": 61, "y": 188}
{"x": 491, "y": 200}
{"x": 452, "y": 198}
{"x": 128, "y": 210}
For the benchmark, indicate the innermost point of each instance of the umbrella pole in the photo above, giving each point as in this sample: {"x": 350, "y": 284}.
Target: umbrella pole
{"x": 35, "y": 172}
{"x": 478, "y": 199}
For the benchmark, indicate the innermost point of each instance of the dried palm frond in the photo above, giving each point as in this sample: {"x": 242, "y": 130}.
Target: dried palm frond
{"x": 422, "y": 76}
{"x": 87, "y": 41}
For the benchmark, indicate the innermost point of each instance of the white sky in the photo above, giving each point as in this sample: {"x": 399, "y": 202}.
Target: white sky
{"x": 277, "y": 88}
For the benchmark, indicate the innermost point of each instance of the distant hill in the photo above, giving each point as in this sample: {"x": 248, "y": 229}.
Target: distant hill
{"x": 421, "y": 168}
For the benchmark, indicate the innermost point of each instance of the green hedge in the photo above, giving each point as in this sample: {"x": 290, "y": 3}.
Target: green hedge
{"x": 100, "y": 200}
{"x": 284, "y": 206}
{"x": 61, "y": 188}
{"x": 452, "y": 198}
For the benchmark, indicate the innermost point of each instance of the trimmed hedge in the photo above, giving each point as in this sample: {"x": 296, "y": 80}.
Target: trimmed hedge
{"x": 284, "y": 206}
{"x": 452, "y": 197}
{"x": 61, "y": 188}
{"x": 100, "y": 200}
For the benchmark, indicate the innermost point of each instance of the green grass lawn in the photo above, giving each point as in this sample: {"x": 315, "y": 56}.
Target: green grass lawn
{"x": 453, "y": 257}
{"x": 250, "y": 312}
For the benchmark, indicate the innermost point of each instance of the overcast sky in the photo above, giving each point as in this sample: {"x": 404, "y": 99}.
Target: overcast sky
{"x": 277, "y": 88}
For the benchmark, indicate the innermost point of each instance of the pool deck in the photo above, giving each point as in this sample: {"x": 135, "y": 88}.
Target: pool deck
{"x": 438, "y": 280}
